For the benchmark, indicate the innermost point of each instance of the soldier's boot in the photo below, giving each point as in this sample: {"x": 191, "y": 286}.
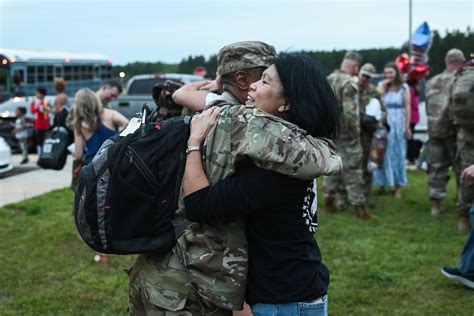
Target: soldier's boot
{"x": 435, "y": 207}
{"x": 329, "y": 206}
{"x": 361, "y": 212}
{"x": 463, "y": 224}
{"x": 341, "y": 204}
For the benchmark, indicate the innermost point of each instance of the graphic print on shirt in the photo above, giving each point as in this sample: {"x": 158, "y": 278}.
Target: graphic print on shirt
{"x": 310, "y": 207}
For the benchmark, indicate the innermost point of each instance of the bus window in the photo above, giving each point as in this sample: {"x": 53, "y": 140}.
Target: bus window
{"x": 77, "y": 72}
{"x": 18, "y": 76}
{"x": 67, "y": 73}
{"x": 49, "y": 73}
{"x": 106, "y": 72}
{"x": 31, "y": 74}
{"x": 96, "y": 72}
{"x": 58, "y": 71}
{"x": 4, "y": 80}
{"x": 89, "y": 74}
{"x": 41, "y": 73}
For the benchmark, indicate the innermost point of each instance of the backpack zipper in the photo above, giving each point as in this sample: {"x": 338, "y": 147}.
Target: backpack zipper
{"x": 143, "y": 168}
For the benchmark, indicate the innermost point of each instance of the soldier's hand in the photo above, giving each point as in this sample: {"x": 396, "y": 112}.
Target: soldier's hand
{"x": 468, "y": 174}
{"x": 201, "y": 124}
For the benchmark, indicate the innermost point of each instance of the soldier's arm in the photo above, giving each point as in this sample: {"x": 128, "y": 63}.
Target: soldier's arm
{"x": 271, "y": 143}
{"x": 350, "y": 109}
{"x": 191, "y": 96}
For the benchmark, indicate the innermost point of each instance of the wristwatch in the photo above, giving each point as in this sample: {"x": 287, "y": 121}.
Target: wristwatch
{"x": 192, "y": 148}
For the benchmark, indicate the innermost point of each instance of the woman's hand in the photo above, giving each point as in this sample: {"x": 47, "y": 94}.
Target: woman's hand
{"x": 408, "y": 134}
{"x": 201, "y": 124}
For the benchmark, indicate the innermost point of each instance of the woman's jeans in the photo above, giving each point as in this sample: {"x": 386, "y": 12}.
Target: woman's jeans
{"x": 317, "y": 308}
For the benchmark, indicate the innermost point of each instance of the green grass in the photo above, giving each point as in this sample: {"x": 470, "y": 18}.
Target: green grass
{"x": 387, "y": 266}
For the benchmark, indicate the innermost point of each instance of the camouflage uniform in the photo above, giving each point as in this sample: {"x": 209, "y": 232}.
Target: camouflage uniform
{"x": 441, "y": 146}
{"x": 365, "y": 95}
{"x": 348, "y": 145}
{"x": 462, "y": 109}
{"x": 206, "y": 272}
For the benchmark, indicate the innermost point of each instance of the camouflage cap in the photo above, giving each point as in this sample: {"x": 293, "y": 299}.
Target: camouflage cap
{"x": 455, "y": 55}
{"x": 355, "y": 56}
{"x": 368, "y": 70}
{"x": 244, "y": 55}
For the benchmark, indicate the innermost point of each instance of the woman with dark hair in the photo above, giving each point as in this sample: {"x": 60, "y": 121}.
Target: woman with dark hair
{"x": 396, "y": 97}
{"x": 286, "y": 273}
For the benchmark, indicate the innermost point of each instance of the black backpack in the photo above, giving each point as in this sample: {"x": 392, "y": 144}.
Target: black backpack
{"x": 127, "y": 196}
{"x": 54, "y": 151}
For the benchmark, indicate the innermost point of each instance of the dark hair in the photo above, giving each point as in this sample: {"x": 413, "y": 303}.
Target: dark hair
{"x": 255, "y": 72}
{"x": 42, "y": 90}
{"x": 22, "y": 109}
{"x": 313, "y": 105}
{"x": 113, "y": 84}
{"x": 398, "y": 74}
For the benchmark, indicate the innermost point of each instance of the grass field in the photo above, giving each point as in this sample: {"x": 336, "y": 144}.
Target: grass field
{"x": 387, "y": 266}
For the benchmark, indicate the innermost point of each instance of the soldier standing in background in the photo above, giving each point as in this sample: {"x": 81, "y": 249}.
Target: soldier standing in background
{"x": 367, "y": 91}
{"x": 441, "y": 145}
{"x": 462, "y": 108}
{"x": 349, "y": 143}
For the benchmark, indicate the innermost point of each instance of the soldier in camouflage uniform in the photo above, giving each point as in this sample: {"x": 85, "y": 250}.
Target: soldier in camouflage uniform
{"x": 349, "y": 144}
{"x": 207, "y": 270}
{"x": 441, "y": 145}
{"x": 461, "y": 107}
{"x": 367, "y": 91}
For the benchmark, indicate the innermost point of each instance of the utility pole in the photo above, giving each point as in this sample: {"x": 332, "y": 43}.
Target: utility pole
{"x": 409, "y": 25}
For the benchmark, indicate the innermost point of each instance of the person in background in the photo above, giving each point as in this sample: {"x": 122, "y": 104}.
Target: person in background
{"x": 367, "y": 92}
{"x": 465, "y": 272}
{"x": 21, "y": 133}
{"x": 40, "y": 108}
{"x": 93, "y": 124}
{"x": 441, "y": 145}
{"x": 351, "y": 179}
{"x": 412, "y": 151}
{"x": 59, "y": 105}
{"x": 396, "y": 97}
{"x": 109, "y": 91}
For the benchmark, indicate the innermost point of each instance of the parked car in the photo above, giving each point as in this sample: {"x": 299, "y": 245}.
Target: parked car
{"x": 7, "y": 119}
{"x": 5, "y": 157}
{"x": 139, "y": 91}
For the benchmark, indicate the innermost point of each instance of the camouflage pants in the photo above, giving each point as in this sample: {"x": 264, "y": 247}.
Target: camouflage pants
{"x": 351, "y": 178}
{"x": 159, "y": 285}
{"x": 441, "y": 153}
{"x": 465, "y": 156}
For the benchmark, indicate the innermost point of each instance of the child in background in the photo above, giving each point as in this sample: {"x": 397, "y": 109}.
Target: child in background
{"x": 20, "y": 132}
{"x": 40, "y": 108}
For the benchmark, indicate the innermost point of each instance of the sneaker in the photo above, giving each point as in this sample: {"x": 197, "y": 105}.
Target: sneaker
{"x": 24, "y": 161}
{"x": 456, "y": 275}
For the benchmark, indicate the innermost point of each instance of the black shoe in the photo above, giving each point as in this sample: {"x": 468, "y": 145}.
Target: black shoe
{"x": 456, "y": 275}
{"x": 24, "y": 161}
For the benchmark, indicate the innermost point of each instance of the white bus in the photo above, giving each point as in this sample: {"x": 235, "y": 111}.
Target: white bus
{"x": 22, "y": 71}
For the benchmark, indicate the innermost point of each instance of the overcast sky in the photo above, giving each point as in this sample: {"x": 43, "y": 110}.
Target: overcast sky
{"x": 167, "y": 31}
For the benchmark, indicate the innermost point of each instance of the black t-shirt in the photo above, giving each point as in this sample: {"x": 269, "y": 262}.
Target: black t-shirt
{"x": 285, "y": 263}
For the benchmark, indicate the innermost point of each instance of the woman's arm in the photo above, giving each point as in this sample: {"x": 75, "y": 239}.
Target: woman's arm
{"x": 194, "y": 177}
{"x": 407, "y": 101}
{"x": 78, "y": 145}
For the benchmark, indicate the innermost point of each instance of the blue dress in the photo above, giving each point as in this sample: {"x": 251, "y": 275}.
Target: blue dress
{"x": 393, "y": 171}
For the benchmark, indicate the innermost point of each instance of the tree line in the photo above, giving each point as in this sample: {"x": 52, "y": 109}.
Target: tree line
{"x": 329, "y": 60}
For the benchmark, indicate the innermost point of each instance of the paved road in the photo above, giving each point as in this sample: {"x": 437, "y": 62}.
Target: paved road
{"x": 27, "y": 181}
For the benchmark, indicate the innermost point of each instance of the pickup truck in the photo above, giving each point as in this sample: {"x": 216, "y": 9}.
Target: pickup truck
{"x": 139, "y": 91}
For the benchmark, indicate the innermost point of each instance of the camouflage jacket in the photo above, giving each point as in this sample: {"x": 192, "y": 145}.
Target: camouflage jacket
{"x": 461, "y": 105}
{"x": 347, "y": 96}
{"x": 440, "y": 123}
{"x": 216, "y": 255}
